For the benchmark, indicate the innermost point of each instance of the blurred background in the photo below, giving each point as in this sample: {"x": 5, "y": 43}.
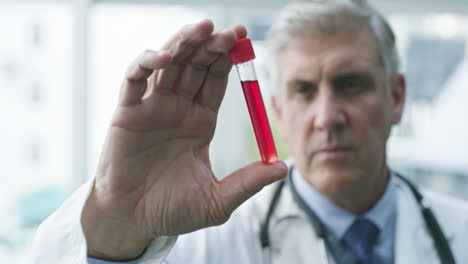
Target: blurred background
{"x": 62, "y": 61}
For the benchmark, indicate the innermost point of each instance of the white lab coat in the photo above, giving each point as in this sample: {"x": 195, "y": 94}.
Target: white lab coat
{"x": 60, "y": 238}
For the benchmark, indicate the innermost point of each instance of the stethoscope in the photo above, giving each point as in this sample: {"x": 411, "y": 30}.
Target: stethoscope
{"x": 441, "y": 244}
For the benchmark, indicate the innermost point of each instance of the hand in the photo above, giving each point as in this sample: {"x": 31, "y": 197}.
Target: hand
{"x": 154, "y": 177}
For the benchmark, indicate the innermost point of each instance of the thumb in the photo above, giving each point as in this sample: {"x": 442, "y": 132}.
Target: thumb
{"x": 243, "y": 183}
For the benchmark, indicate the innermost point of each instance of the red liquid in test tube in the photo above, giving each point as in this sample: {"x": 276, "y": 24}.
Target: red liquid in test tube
{"x": 242, "y": 56}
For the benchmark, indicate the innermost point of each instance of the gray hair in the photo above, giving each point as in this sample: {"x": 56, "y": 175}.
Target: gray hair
{"x": 327, "y": 16}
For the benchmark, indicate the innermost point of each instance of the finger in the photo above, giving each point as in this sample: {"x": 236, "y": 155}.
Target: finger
{"x": 240, "y": 30}
{"x": 137, "y": 73}
{"x": 151, "y": 84}
{"x": 242, "y": 184}
{"x": 197, "y": 67}
{"x": 213, "y": 89}
{"x": 181, "y": 46}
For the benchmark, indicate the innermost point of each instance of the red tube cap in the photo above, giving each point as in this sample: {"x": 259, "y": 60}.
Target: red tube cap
{"x": 242, "y": 51}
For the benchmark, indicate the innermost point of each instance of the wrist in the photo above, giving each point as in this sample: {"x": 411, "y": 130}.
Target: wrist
{"x": 109, "y": 237}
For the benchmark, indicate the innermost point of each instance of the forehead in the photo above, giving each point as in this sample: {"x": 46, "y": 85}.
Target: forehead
{"x": 353, "y": 48}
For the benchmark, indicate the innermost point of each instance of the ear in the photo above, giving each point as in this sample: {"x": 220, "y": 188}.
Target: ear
{"x": 399, "y": 97}
{"x": 279, "y": 114}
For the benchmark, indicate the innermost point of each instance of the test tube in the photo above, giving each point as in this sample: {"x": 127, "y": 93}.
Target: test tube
{"x": 242, "y": 55}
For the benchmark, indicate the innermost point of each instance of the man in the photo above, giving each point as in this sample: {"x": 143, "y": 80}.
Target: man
{"x": 339, "y": 92}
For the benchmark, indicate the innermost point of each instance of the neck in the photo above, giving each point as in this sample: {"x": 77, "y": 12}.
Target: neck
{"x": 363, "y": 195}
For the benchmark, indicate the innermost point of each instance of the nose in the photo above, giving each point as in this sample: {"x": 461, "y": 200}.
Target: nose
{"x": 327, "y": 111}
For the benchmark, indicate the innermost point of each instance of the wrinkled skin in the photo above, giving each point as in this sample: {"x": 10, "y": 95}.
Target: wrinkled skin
{"x": 154, "y": 177}
{"x": 335, "y": 107}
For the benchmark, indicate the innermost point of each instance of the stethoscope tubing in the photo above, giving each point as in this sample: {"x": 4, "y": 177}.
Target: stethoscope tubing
{"x": 441, "y": 243}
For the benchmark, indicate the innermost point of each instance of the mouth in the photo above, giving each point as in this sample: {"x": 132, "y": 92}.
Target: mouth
{"x": 333, "y": 152}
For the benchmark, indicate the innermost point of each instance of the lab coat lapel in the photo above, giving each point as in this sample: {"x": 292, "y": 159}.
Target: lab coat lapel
{"x": 413, "y": 243}
{"x": 293, "y": 238}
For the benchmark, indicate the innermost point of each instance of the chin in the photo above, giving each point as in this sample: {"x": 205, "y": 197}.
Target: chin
{"x": 333, "y": 180}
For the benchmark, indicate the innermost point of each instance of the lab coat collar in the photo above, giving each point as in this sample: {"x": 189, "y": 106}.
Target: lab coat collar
{"x": 293, "y": 241}
{"x": 287, "y": 206}
{"x": 413, "y": 242}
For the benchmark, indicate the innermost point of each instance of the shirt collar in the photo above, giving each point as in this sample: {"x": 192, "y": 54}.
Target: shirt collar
{"x": 337, "y": 219}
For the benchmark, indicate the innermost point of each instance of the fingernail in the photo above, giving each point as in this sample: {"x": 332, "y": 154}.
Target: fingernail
{"x": 164, "y": 52}
{"x": 281, "y": 164}
{"x": 205, "y": 20}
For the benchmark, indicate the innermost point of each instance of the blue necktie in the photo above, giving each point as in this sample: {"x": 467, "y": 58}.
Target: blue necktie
{"x": 361, "y": 237}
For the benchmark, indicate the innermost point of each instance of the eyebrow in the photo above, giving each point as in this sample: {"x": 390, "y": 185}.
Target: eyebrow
{"x": 299, "y": 82}
{"x": 359, "y": 75}
{"x": 353, "y": 74}
{"x": 339, "y": 76}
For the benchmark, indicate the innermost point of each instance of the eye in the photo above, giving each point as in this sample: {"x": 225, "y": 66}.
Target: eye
{"x": 303, "y": 88}
{"x": 350, "y": 85}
